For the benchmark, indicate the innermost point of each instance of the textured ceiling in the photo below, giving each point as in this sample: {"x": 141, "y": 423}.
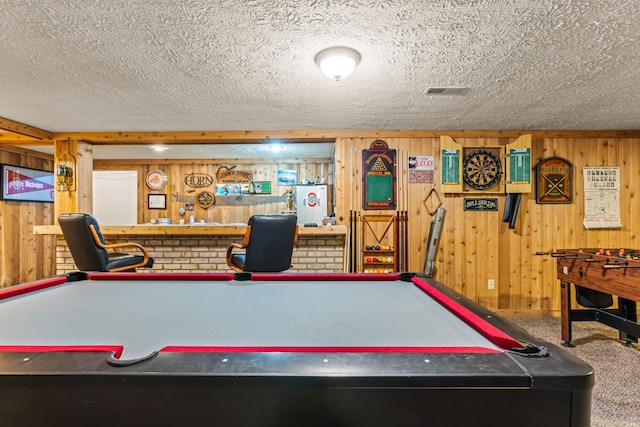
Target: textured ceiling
{"x": 153, "y": 65}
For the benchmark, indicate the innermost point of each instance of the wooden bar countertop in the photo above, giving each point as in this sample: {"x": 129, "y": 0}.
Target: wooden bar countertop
{"x": 190, "y": 230}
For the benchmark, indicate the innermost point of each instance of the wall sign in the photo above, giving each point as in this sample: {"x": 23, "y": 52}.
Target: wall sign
{"x": 480, "y": 204}
{"x": 198, "y": 180}
{"x": 554, "y": 181}
{"x": 205, "y": 199}
{"x": 226, "y": 175}
{"x": 156, "y": 180}
{"x": 24, "y": 184}
{"x": 378, "y": 177}
{"x": 421, "y": 169}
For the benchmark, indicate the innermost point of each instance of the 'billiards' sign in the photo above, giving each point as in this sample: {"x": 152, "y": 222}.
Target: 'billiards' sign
{"x": 480, "y": 204}
{"x": 378, "y": 177}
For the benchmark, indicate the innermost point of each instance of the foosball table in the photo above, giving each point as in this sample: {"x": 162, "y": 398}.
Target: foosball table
{"x": 598, "y": 275}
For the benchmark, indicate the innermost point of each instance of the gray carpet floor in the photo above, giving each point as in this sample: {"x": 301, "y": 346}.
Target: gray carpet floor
{"x": 616, "y": 394}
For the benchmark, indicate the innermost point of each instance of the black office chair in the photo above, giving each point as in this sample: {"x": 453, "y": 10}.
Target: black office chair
{"x": 268, "y": 244}
{"x": 91, "y": 252}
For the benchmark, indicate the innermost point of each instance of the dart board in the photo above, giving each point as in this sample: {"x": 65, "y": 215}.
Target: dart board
{"x": 481, "y": 169}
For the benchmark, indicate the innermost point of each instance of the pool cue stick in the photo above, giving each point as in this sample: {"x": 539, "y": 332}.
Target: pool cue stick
{"x": 398, "y": 236}
{"x": 350, "y": 252}
{"x": 359, "y": 241}
{"x": 406, "y": 240}
{"x": 403, "y": 240}
{"x": 354, "y": 242}
{"x": 401, "y": 243}
{"x": 397, "y": 240}
{"x": 346, "y": 251}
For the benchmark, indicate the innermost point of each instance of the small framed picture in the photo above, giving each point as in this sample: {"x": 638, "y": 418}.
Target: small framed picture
{"x": 263, "y": 187}
{"x": 157, "y": 201}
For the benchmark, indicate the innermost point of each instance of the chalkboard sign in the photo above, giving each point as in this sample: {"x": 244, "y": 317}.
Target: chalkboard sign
{"x": 379, "y": 177}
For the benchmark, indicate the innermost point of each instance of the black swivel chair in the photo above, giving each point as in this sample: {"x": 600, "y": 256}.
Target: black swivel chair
{"x": 268, "y": 244}
{"x": 91, "y": 252}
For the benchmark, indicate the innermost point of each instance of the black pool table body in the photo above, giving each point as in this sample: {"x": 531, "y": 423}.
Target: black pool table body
{"x": 274, "y": 350}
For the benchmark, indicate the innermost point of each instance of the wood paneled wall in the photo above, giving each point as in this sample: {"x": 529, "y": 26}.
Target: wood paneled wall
{"x": 25, "y": 257}
{"x": 478, "y": 246}
{"x": 177, "y": 171}
{"x": 474, "y": 246}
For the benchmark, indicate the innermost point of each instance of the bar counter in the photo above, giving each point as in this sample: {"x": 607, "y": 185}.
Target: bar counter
{"x": 202, "y": 247}
{"x": 197, "y": 229}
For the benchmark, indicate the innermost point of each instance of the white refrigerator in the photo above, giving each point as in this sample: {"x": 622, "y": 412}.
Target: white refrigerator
{"x": 311, "y": 203}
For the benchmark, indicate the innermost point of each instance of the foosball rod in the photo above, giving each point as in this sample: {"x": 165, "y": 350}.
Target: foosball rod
{"x": 566, "y": 255}
{"x": 620, "y": 265}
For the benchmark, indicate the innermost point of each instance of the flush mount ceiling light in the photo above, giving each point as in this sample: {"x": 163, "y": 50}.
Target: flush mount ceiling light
{"x": 337, "y": 62}
{"x": 275, "y": 147}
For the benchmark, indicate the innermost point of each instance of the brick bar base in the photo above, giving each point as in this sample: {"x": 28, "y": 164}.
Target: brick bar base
{"x": 195, "y": 254}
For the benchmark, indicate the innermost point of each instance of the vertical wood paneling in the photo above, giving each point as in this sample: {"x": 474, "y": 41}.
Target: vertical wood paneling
{"x": 474, "y": 246}
{"x": 477, "y": 246}
{"x": 25, "y": 257}
{"x": 633, "y": 158}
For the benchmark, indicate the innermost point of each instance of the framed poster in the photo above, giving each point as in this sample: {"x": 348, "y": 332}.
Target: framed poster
{"x": 157, "y": 201}
{"x": 26, "y": 185}
{"x": 554, "y": 181}
{"x": 287, "y": 176}
{"x": 379, "y": 177}
{"x": 601, "y": 197}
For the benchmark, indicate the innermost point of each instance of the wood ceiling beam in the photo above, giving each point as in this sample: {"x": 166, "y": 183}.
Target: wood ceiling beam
{"x": 298, "y": 136}
{"x": 238, "y": 137}
{"x": 20, "y": 130}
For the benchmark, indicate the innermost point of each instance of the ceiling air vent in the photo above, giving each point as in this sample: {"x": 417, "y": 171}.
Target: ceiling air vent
{"x": 446, "y": 90}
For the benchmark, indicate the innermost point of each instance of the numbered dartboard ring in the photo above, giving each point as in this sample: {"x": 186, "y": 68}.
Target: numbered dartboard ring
{"x": 481, "y": 169}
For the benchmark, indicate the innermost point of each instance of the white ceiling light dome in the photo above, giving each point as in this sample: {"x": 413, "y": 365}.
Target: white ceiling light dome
{"x": 337, "y": 62}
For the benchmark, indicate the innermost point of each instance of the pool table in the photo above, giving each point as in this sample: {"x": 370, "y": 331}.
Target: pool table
{"x": 274, "y": 350}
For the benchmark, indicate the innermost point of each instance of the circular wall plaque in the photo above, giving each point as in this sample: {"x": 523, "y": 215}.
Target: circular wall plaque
{"x": 156, "y": 179}
{"x": 205, "y": 199}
